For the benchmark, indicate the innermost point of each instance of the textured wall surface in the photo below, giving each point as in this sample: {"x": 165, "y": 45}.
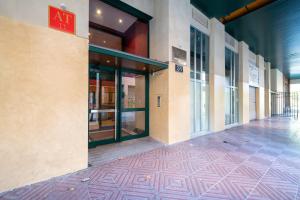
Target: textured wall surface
{"x": 43, "y": 112}
{"x": 146, "y": 6}
{"x": 216, "y": 75}
{"x": 36, "y": 12}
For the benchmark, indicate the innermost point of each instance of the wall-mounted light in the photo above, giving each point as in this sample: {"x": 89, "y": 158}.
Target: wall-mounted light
{"x": 63, "y": 6}
{"x": 98, "y": 11}
{"x": 120, "y": 21}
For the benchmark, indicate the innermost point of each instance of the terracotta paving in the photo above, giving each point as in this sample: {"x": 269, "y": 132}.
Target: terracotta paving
{"x": 257, "y": 161}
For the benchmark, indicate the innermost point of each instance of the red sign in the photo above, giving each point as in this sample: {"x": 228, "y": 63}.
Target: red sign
{"x": 62, "y": 20}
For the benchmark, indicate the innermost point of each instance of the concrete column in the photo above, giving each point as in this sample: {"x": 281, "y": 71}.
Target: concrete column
{"x": 170, "y": 121}
{"x": 243, "y": 83}
{"x": 217, "y": 75}
{"x": 260, "y": 91}
{"x": 268, "y": 89}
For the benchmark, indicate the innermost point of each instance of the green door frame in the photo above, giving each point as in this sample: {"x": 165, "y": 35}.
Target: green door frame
{"x": 120, "y": 109}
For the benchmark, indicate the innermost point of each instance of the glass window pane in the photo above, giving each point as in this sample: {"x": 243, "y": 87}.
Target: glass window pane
{"x": 204, "y": 106}
{"x": 101, "y": 104}
{"x": 205, "y": 57}
{"x": 133, "y": 90}
{"x": 101, "y": 126}
{"x": 192, "y": 89}
{"x": 133, "y": 123}
{"x": 236, "y": 56}
{"x": 198, "y": 52}
{"x": 227, "y": 106}
{"x": 198, "y": 106}
{"x": 227, "y": 67}
{"x": 192, "y": 52}
{"x": 101, "y": 90}
{"x": 199, "y": 81}
{"x": 231, "y": 87}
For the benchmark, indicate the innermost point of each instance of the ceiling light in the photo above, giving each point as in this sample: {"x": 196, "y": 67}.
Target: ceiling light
{"x": 104, "y": 41}
{"x": 120, "y": 21}
{"x": 107, "y": 61}
{"x": 98, "y": 12}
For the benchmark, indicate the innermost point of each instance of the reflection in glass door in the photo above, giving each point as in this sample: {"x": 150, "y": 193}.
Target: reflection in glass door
{"x": 133, "y": 105}
{"x": 199, "y": 82}
{"x": 102, "y": 106}
{"x": 231, "y": 87}
{"x": 118, "y": 105}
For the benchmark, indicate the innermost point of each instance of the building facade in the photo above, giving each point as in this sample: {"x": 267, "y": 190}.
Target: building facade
{"x": 132, "y": 68}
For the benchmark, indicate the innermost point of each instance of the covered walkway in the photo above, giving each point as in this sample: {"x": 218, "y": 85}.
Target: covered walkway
{"x": 260, "y": 160}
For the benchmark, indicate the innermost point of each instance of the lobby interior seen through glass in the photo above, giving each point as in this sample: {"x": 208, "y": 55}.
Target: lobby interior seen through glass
{"x": 115, "y": 29}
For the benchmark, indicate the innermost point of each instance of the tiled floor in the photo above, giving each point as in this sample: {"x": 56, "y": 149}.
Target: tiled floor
{"x": 257, "y": 161}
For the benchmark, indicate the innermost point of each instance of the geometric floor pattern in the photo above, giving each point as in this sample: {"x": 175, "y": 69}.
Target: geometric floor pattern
{"x": 257, "y": 161}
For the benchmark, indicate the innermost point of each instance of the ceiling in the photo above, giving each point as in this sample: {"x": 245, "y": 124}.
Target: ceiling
{"x": 272, "y": 31}
{"x": 110, "y": 16}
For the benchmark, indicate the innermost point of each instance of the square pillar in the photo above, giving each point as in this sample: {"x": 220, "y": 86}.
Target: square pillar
{"x": 268, "y": 89}
{"x": 260, "y": 92}
{"x": 243, "y": 83}
{"x": 217, "y": 75}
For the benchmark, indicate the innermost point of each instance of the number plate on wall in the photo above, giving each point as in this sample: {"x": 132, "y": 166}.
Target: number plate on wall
{"x": 178, "y": 68}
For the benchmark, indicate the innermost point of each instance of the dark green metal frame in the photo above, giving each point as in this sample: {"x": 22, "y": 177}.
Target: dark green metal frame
{"x": 124, "y": 55}
{"x": 121, "y": 110}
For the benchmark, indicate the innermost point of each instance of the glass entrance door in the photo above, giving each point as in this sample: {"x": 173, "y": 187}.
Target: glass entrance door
{"x": 118, "y": 105}
{"x": 102, "y": 106}
{"x": 133, "y": 105}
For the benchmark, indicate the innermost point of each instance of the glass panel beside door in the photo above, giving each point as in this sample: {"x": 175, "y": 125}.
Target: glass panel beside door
{"x": 102, "y": 105}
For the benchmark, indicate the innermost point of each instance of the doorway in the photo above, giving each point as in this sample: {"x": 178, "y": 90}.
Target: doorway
{"x": 118, "y": 105}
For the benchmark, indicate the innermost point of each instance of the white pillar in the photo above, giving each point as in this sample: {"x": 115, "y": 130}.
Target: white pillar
{"x": 243, "y": 83}
{"x": 217, "y": 75}
{"x": 268, "y": 89}
{"x": 260, "y": 104}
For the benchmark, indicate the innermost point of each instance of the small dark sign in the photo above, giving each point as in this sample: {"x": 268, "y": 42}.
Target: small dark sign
{"x": 178, "y": 68}
{"x": 158, "y": 101}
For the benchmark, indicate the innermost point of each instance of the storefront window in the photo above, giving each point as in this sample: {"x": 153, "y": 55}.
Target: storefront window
{"x": 199, "y": 60}
{"x": 231, "y": 87}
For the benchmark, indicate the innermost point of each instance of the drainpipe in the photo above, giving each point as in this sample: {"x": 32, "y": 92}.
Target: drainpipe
{"x": 245, "y": 10}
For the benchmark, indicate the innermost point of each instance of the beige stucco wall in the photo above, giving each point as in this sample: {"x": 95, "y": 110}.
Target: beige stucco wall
{"x": 146, "y": 6}
{"x": 166, "y": 122}
{"x": 170, "y": 123}
{"x": 179, "y": 104}
{"x": 159, "y": 116}
{"x": 267, "y": 89}
{"x": 276, "y": 80}
{"x": 159, "y": 31}
{"x": 43, "y": 112}
{"x": 36, "y": 12}
{"x": 216, "y": 75}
